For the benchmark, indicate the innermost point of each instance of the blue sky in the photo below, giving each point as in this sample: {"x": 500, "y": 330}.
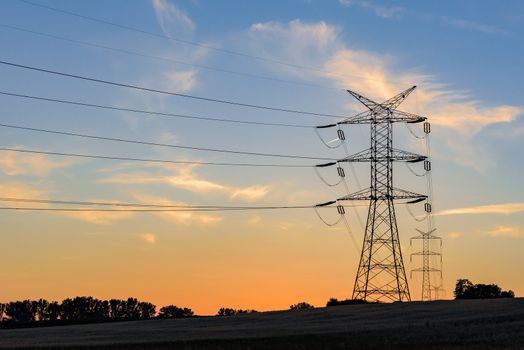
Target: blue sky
{"x": 465, "y": 57}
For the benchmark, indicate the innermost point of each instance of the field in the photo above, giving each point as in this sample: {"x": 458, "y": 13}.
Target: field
{"x": 465, "y": 324}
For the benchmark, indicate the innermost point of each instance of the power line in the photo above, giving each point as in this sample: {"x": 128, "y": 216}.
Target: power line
{"x": 188, "y": 42}
{"x": 140, "y": 111}
{"x": 146, "y": 205}
{"x": 167, "y": 59}
{"x": 165, "y": 161}
{"x": 141, "y": 88}
{"x": 218, "y": 150}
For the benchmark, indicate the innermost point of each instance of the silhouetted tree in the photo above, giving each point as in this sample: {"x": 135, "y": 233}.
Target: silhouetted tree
{"x": 226, "y": 311}
{"x": 507, "y": 294}
{"x": 301, "y": 306}
{"x": 79, "y": 309}
{"x": 336, "y": 302}
{"x": 464, "y": 289}
{"x": 147, "y": 310}
{"x": 21, "y": 311}
{"x": 3, "y": 308}
{"x": 172, "y": 311}
{"x": 53, "y": 311}
{"x": 84, "y": 308}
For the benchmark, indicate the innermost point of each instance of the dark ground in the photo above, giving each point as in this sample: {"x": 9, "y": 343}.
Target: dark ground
{"x": 464, "y": 324}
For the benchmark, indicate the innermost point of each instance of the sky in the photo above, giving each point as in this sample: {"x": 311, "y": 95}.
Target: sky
{"x": 464, "y": 56}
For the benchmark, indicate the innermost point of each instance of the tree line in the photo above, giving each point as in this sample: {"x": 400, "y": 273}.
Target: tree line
{"x": 465, "y": 289}
{"x": 85, "y": 308}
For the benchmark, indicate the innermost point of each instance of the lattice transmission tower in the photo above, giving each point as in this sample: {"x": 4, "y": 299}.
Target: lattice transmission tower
{"x": 430, "y": 290}
{"x": 427, "y": 269}
{"x": 381, "y": 274}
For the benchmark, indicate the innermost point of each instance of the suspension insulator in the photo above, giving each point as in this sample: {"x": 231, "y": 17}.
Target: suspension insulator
{"x": 341, "y": 209}
{"x": 427, "y": 127}
{"x": 427, "y": 207}
{"x": 341, "y": 172}
{"x": 341, "y": 135}
{"x": 427, "y": 165}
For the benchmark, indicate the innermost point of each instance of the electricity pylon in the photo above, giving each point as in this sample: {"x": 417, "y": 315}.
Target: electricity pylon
{"x": 426, "y": 253}
{"x": 429, "y": 290}
{"x": 381, "y": 275}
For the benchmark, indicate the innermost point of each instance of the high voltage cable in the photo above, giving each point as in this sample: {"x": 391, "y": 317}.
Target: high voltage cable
{"x": 140, "y": 111}
{"x": 65, "y": 133}
{"x": 164, "y": 92}
{"x": 167, "y": 59}
{"x": 193, "y": 43}
{"x": 166, "y": 161}
{"x": 131, "y": 210}
{"x": 146, "y": 205}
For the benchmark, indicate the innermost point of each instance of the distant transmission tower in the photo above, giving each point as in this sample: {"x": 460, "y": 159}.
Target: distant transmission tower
{"x": 381, "y": 274}
{"x": 427, "y": 268}
{"x": 430, "y": 291}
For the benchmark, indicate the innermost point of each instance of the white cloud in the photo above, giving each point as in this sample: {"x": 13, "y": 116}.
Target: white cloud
{"x": 15, "y": 164}
{"x": 173, "y": 20}
{"x": 20, "y": 190}
{"x": 457, "y": 115}
{"x": 186, "y": 178}
{"x": 378, "y": 10}
{"x": 454, "y": 235}
{"x": 99, "y": 217}
{"x": 149, "y": 238}
{"x": 250, "y": 193}
{"x": 471, "y": 25}
{"x": 179, "y": 217}
{"x": 181, "y": 81}
{"x": 505, "y": 231}
{"x": 504, "y": 209}
{"x": 255, "y": 220}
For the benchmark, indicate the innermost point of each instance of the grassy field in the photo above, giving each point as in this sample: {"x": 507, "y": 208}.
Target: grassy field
{"x": 466, "y": 324}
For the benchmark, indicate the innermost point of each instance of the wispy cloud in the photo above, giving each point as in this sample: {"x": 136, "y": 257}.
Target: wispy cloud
{"x": 179, "y": 217}
{"x": 454, "y": 235}
{"x": 182, "y": 81}
{"x": 16, "y": 164}
{"x": 318, "y": 45}
{"x": 505, "y": 231}
{"x": 20, "y": 190}
{"x": 471, "y": 25}
{"x": 172, "y": 19}
{"x": 186, "y": 178}
{"x": 251, "y": 193}
{"x": 504, "y": 209}
{"x": 149, "y": 238}
{"x": 378, "y": 10}
{"x": 98, "y": 218}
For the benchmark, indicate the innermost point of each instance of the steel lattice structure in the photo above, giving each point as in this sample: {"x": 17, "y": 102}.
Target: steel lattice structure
{"x": 426, "y": 253}
{"x": 381, "y": 274}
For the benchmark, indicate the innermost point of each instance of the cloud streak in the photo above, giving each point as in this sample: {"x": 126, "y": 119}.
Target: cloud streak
{"x": 505, "y": 231}
{"x": 471, "y": 25}
{"x": 378, "y": 10}
{"x": 186, "y": 178}
{"x": 16, "y": 164}
{"x": 501, "y": 209}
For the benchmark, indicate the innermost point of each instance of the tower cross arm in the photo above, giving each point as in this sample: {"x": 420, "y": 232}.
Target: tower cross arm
{"x": 390, "y": 104}
{"x": 396, "y": 155}
{"x": 367, "y": 194}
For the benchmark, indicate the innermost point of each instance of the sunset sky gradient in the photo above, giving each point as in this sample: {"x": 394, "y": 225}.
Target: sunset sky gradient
{"x": 464, "y": 56}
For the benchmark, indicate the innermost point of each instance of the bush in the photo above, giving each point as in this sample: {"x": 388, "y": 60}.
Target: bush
{"x": 301, "y": 306}
{"x": 172, "y": 311}
{"x": 336, "y": 302}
